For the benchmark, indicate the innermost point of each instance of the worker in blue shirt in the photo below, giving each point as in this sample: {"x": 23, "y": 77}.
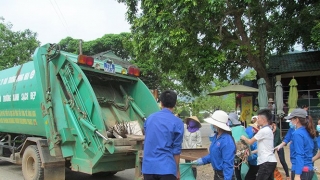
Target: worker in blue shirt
{"x": 163, "y": 141}
{"x": 317, "y": 156}
{"x": 222, "y": 149}
{"x": 302, "y": 145}
{"x": 252, "y": 159}
{"x": 287, "y": 138}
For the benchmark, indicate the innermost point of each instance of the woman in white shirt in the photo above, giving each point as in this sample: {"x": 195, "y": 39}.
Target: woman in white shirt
{"x": 192, "y": 136}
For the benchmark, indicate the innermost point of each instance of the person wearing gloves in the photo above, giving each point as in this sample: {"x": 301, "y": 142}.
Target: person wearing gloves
{"x": 222, "y": 149}
{"x": 287, "y": 138}
{"x": 237, "y": 130}
{"x": 302, "y": 145}
{"x": 192, "y": 137}
{"x": 267, "y": 161}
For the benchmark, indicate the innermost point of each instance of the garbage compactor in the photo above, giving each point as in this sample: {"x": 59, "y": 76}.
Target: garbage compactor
{"x": 65, "y": 110}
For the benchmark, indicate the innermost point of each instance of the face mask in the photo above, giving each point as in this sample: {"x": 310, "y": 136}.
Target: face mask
{"x": 213, "y": 128}
{"x": 318, "y": 128}
{"x": 192, "y": 123}
{"x": 292, "y": 125}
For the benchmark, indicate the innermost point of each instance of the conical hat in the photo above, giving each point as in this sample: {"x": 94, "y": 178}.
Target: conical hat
{"x": 193, "y": 118}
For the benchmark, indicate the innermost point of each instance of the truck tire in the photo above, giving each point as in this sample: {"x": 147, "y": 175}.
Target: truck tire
{"x": 31, "y": 164}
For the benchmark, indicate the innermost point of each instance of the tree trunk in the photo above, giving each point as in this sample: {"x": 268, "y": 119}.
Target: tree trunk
{"x": 261, "y": 71}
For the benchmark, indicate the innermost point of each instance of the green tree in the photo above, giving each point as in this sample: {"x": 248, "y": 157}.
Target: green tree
{"x": 316, "y": 34}
{"x": 197, "y": 41}
{"x": 203, "y": 104}
{"x": 15, "y": 47}
{"x": 207, "y": 104}
{"x": 120, "y": 44}
{"x": 252, "y": 75}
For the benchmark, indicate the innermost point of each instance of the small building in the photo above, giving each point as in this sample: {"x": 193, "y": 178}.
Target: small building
{"x": 305, "y": 68}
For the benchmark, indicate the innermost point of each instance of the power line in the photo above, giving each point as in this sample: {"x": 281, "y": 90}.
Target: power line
{"x": 61, "y": 13}
{"x": 64, "y": 25}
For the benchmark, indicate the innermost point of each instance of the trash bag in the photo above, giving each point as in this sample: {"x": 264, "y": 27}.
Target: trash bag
{"x": 186, "y": 172}
{"x": 244, "y": 170}
{"x": 315, "y": 177}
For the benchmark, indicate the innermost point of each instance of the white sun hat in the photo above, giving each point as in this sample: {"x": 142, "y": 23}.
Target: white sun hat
{"x": 219, "y": 118}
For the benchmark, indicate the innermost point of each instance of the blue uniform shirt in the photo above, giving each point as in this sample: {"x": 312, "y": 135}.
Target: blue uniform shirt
{"x": 249, "y": 131}
{"x": 222, "y": 152}
{"x": 163, "y": 140}
{"x": 253, "y": 158}
{"x": 302, "y": 150}
{"x": 287, "y": 138}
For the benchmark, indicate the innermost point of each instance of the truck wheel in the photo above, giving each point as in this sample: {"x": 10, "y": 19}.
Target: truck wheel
{"x": 31, "y": 164}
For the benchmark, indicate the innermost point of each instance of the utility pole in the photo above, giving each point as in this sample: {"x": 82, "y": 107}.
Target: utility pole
{"x": 80, "y": 46}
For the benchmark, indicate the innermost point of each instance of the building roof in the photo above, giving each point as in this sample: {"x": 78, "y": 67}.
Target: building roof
{"x": 297, "y": 62}
{"x": 109, "y": 55}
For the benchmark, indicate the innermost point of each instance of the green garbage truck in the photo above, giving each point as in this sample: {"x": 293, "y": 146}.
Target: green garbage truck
{"x": 62, "y": 110}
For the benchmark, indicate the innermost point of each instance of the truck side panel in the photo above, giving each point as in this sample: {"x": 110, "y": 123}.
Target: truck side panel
{"x": 20, "y": 109}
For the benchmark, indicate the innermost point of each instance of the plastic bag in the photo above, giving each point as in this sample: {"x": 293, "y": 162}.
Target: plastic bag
{"x": 244, "y": 170}
{"x": 186, "y": 172}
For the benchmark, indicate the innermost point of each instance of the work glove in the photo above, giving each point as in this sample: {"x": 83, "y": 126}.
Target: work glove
{"x": 277, "y": 148}
{"x": 198, "y": 162}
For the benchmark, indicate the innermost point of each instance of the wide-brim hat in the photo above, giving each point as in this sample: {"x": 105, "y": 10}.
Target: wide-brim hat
{"x": 220, "y": 119}
{"x": 270, "y": 100}
{"x": 192, "y": 118}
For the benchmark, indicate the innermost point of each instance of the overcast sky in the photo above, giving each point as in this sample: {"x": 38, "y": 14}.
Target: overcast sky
{"x": 54, "y": 20}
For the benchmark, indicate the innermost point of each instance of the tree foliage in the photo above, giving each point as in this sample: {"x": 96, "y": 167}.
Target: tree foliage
{"x": 203, "y": 104}
{"x": 208, "y": 104}
{"x": 197, "y": 41}
{"x": 316, "y": 34}
{"x": 120, "y": 44}
{"x": 15, "y": 47}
